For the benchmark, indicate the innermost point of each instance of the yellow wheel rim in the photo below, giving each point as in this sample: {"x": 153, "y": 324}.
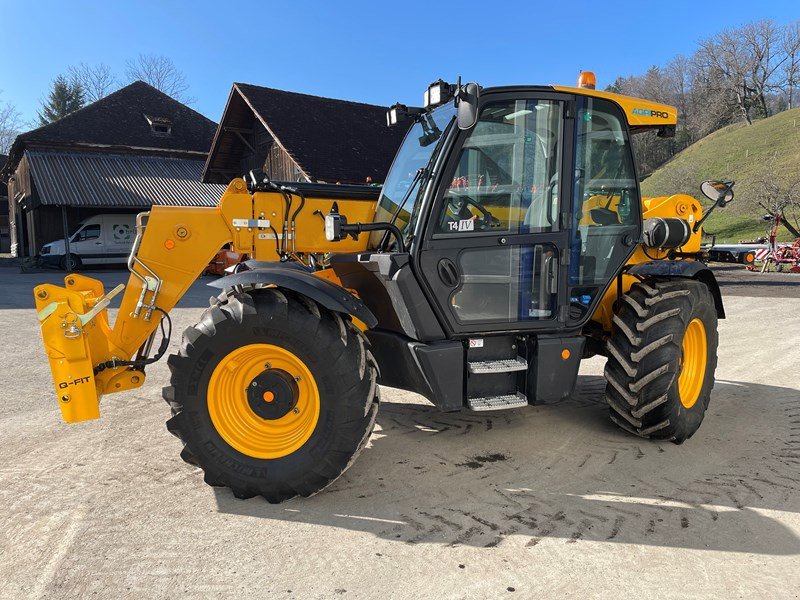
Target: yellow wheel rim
{"x": 263, "y": 401}
{"x": 694, "y": 352}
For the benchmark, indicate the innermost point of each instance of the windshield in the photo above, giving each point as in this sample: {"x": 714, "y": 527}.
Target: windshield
{"x": 400, "y": 194}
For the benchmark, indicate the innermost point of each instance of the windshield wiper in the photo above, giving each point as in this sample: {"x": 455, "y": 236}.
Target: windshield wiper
{"x": 417, "y": 177}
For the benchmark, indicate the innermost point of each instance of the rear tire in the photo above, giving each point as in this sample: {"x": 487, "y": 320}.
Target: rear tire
{"x": 662, "y": 328}
{"x": 331, "y": 349}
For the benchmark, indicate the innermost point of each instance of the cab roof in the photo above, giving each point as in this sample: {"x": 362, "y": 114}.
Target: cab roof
{"x": 641, "y": 114}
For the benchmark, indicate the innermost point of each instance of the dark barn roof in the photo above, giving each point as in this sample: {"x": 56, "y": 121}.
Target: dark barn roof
{"x": 119, "y": 181}
{"x": 121, "y": 120}
{"x": 329, "y": 140}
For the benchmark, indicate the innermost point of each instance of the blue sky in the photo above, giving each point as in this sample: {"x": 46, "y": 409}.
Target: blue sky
{"x": 377, "y": 52}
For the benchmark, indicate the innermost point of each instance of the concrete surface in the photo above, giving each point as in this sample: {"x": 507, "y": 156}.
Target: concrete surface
{"x": 547, "y": 501}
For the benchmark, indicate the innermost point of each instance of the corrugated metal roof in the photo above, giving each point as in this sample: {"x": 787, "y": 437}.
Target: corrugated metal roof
{"x": 116, "y": 180}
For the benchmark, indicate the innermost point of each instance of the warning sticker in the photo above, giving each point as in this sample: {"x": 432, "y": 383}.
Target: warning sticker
{"x": 476, "y": 343}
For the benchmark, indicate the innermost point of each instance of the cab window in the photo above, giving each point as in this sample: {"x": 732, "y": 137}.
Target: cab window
{"x": 90, "y": 232}
{"x": 606, "y": 204}
{"x": 506, "y": 176}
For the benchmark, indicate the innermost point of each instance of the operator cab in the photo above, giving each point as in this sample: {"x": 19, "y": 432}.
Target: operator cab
{"x": 507, "y": 213}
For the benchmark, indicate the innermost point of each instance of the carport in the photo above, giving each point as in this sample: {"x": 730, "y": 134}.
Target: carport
{"x": 72, "y": 186}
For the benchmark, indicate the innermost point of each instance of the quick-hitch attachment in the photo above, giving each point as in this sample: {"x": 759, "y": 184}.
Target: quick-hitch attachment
{"x": 76, "y": 337}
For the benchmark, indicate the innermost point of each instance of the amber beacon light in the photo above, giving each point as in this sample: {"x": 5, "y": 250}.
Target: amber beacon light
{"x": 586, "y": 79}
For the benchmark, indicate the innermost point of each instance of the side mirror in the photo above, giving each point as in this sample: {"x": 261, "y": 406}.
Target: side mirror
{"x": 467, "y": 98}
{"x": 720, "y": 192}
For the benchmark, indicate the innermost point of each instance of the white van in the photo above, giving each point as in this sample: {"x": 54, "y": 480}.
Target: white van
{"x": 100, "y": 240}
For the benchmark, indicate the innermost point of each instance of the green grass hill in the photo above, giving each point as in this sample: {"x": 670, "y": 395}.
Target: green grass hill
{"x": 746, "y": 154}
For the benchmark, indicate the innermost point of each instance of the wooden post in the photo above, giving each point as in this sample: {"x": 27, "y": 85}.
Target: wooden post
{"x": 67, "y": 255}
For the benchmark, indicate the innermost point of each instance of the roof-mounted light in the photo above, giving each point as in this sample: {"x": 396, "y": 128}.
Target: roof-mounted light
{"x": 438, "y": 93}
{"x": 586, "y": 79}
{"x": 400, "y": 111}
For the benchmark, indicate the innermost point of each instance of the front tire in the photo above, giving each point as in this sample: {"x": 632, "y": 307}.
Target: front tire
{"x": 272, "y": 394}
{"x": 662, "y": 355}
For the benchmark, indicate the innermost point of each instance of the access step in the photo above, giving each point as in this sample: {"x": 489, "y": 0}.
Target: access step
{"x": 504, "y": 365}
{"x": 504, "y": 402}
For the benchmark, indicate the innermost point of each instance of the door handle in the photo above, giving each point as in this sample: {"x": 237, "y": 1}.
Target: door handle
{"x": 551, "y": 275}
{"x": 448, "y": 272}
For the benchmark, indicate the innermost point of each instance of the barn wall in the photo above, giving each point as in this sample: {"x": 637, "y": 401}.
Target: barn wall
{"x": 263, "y": 153}
{"x": 279, "y": 165}
{"x": 20, "y": 193}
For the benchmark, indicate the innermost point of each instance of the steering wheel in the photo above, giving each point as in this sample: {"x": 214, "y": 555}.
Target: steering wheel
{"x": 458, "y": 206}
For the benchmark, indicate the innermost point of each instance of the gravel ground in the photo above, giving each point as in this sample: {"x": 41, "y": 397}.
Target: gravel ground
{"x": 735, "y": 280}
{"x": 546, "y": 501}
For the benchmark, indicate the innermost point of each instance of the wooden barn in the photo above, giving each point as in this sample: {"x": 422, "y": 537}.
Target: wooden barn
{"x": 122, "y": 154}
{"x": 298, "y": 137}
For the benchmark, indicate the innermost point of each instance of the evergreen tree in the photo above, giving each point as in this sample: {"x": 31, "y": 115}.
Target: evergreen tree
{"x": 65, "y": 97}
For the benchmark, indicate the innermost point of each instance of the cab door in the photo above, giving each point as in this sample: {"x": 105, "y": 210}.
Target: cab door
{"x": 496, "y": 241}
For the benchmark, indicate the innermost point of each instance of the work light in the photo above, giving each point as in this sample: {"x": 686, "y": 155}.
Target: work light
{"x": 437, "y": 93}
{"x": 400, "y": 111}
{"x": 333, "y": 227}
{"x": 395, "y": 113}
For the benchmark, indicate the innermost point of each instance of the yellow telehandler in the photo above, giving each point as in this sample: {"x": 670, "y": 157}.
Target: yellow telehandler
{"x": 508, "y": 242}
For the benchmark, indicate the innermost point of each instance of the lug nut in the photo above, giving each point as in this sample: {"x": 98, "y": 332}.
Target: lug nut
{"x": 268, "y": 366}
{"x": 254, "y": 384}
{"x": 296, "y": 410}
{"x": 297, "y": 377}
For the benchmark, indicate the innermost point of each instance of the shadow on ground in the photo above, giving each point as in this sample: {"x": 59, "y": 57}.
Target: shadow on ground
{"x": 563, "y": 471}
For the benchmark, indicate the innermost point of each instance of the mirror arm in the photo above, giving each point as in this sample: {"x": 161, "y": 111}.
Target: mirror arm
{"x": 357, "y": 228}
{"x": 699, "y": 223}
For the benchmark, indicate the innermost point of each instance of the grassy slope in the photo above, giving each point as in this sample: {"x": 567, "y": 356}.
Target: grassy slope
{"x": 740, "y": 152}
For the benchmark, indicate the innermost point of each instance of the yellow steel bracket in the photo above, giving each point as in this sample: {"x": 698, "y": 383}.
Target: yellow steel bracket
{"x": 75, "y": 330}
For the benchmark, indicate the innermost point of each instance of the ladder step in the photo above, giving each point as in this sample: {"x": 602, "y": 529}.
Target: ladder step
{"x": 504, "y": 365}
{"x": 497, "y": 402}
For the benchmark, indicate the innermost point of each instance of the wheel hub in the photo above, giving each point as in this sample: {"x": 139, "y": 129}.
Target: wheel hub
{"x": 272, "y": 394}
{"x": 263, "y": 401}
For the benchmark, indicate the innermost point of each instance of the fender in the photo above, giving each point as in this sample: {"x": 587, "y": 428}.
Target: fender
{"x": 292, "y": 277}
{"x": 691, "y": 269}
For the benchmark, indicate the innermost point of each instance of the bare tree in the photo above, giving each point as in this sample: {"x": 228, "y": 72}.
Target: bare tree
{"x": 777, "y": 193}
{"x": 762, "y": 41}
{"x": 790, "y": 46}
{"x": 97, "y": 81}
{"x": 10, "y": 124}
{"x": 725, "y": 58}
{"x": 160, "y": 72}
{"x": 748, "y": 61}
